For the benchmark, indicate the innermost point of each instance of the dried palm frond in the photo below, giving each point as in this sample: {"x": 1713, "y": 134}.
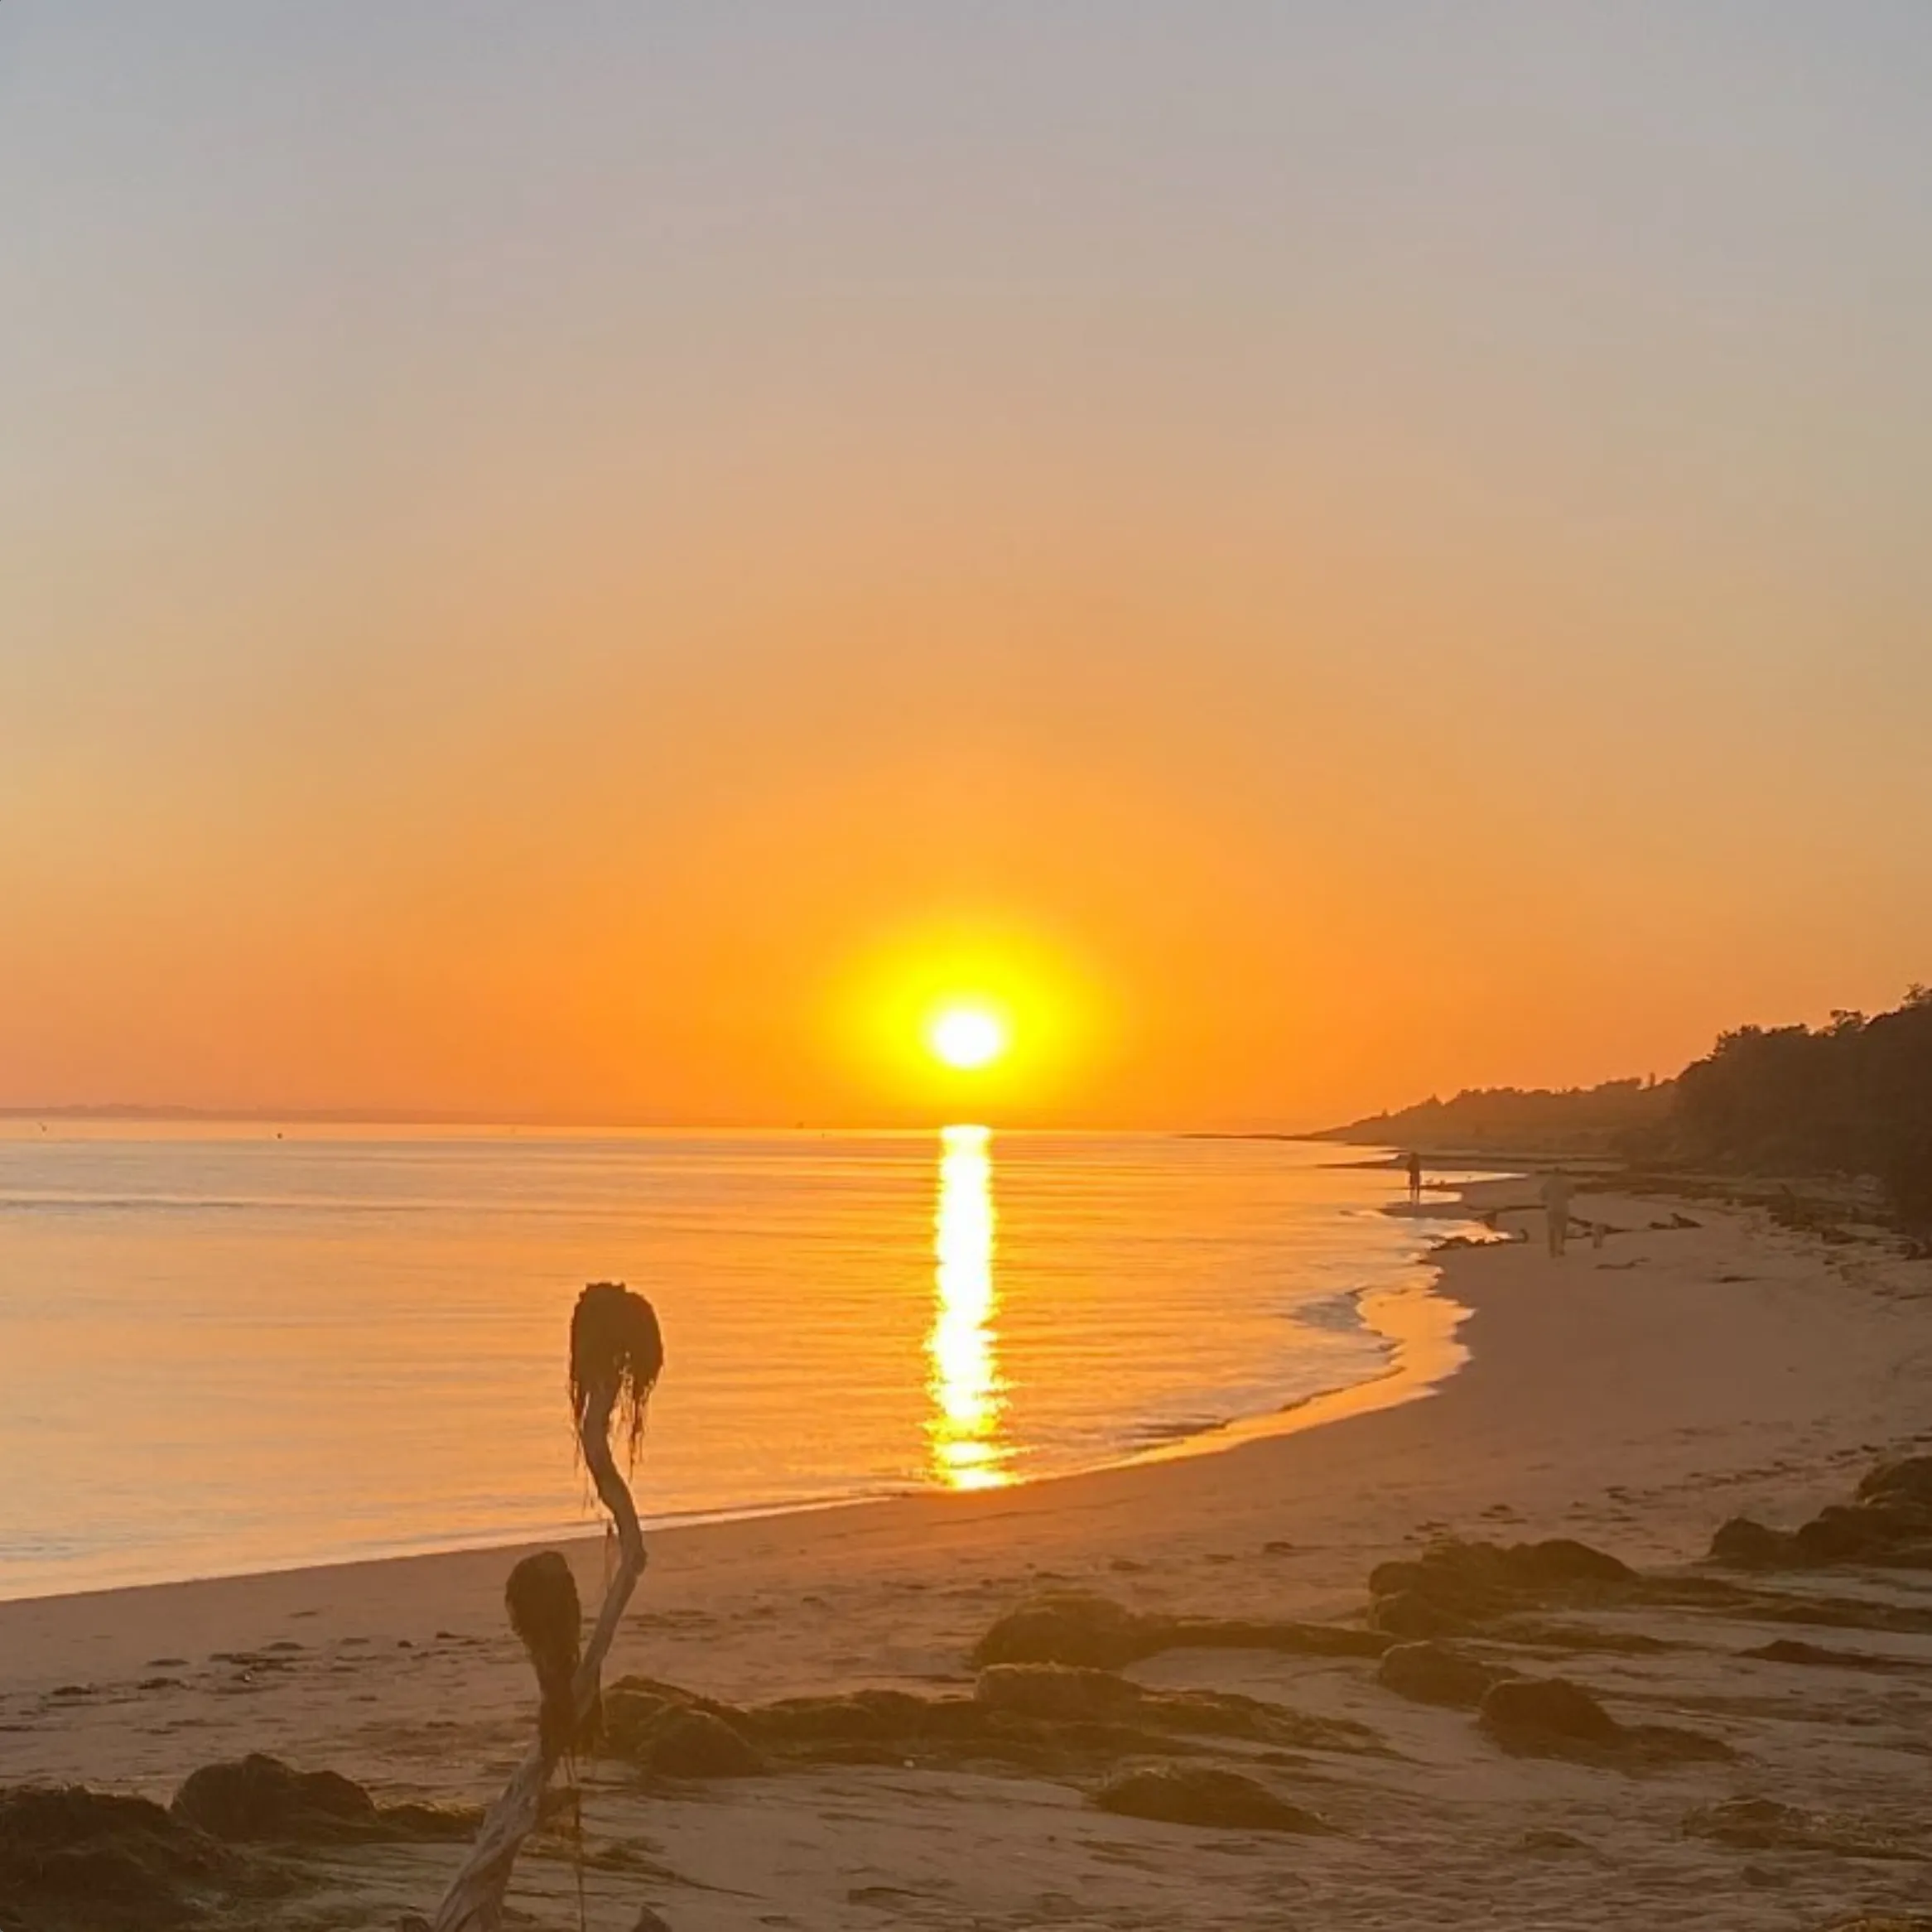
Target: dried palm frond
{"x": 616, "y": 1346}
{"x": 541, "y": 1595}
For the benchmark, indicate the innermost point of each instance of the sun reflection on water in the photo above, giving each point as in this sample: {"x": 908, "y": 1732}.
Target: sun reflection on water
{"x": 964, "y": 1382}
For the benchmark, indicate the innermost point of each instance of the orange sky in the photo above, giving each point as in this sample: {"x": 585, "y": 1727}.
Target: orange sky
{"x": 558, "y": 566}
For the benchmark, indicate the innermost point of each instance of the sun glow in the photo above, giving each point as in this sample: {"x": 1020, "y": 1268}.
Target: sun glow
{"x": 936, "y": 1021}
{"x": 967, "y": 1038}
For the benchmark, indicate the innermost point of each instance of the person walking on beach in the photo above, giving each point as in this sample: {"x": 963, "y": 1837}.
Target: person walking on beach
{"x": 1556, "y": 1208}
{"x": 1414, "y": 1180}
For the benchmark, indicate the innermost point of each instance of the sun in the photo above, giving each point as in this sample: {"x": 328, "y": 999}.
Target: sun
{"x": 967, "y": 1038}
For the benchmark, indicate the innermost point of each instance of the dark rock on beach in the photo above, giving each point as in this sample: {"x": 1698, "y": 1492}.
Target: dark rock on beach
{"x": 1050, "y": 1695}
{"x": 1749, "y": 1824}
{"x": 1198, "y": 1794}
{"x": 1283, "y": 1636}
{"x": 858, "y": 1716}
{"x": 1544, "y": 1839}
{"x": 1908, "y": 1480}
{"x": 1068, "y": 1628}
{"x": 70, "y": 1857}
{"x": 1766, "y": 1825}
{"x": 1550, "y": 1716}
{"x": 1052, "y": 1718}
{"x": 695, "y": 1744}
{"x": 1743, "y": 1543}
{"x": 1082, "y": 1628}
{"x": 1561, "y": 1563}
{"x": 1454, "y": 1586}
{"x": 1056, "y": 1692}
{"x": 259, "y": 1798}
{"x": 1415, "y": 1614}
{"x": 1521, "y": 1708}
{"x": 1820, "y": 1656}
{"x": 1887, "y": 1525}
{"x": 1434, "y": 1674}
{"x": 674, "y": 1734}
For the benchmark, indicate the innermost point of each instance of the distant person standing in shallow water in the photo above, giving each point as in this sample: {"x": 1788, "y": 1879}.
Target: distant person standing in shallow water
{"x": 1414, "y": 1180}
{"x": 1556, "y": 1208}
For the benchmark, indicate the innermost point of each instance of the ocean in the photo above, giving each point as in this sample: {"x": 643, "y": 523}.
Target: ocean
{"x": 235, "y": 1348}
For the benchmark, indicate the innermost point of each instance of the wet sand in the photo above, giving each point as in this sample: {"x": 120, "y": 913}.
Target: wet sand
{"x": 1633, "y": 1396}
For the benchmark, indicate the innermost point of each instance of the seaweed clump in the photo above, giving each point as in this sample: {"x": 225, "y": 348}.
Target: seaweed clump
{"x": 1047, "y": 1718}
{"x": 70, "y": 1857}
{"x": 1550, "y": 1716}
{"x": 548, "y": 1619}
{"x": 616, "y": 1347}
{"x": 1453, "y": 1587}
{"x": 1205, "y": 1796}
{"x": 259, "y": 1798}
{"x": 1887, "y": 1525}
{"x": 1080, "y": 1628}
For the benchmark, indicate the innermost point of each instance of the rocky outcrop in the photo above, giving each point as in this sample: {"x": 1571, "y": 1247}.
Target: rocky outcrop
{"x": 1082, "y": 1627}
{"x": 70, "y": 1857}
{"x": 259, "y": 1798}
{"x": 1202, "y": 1795}
{"x": 1887, "y": 1525}
{"x": 1435, "y": 1674}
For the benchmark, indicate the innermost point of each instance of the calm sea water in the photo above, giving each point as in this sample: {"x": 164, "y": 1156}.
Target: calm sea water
{"x": 223, "y": 1351}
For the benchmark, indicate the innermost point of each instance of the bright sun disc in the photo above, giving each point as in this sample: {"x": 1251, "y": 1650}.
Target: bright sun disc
{"x": 966, "y": 1037}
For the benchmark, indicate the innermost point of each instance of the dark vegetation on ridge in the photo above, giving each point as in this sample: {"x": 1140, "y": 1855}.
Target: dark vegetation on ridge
{"x": 1578, "y": 1121}
{"x": 1851, "y": 1098}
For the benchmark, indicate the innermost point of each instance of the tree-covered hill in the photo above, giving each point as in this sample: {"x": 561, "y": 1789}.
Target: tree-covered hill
{"x": 1577, "y": 1121}
{"x": 1852, "y": 1098}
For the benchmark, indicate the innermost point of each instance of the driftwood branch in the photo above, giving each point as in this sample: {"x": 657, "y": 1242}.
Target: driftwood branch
{"x": 475, "y": 1901}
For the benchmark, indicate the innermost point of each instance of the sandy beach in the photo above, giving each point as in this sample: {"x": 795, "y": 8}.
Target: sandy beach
{"x": 1633, "y": 1396}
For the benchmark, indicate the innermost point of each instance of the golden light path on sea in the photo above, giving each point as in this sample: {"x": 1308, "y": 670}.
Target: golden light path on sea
{"x": 964, "y": 1381}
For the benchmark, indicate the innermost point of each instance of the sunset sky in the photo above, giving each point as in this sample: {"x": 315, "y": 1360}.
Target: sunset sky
{"x": 599, "y": 560}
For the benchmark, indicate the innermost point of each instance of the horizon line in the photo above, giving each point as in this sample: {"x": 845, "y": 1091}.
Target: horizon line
{"x": 162, "y": 1112}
